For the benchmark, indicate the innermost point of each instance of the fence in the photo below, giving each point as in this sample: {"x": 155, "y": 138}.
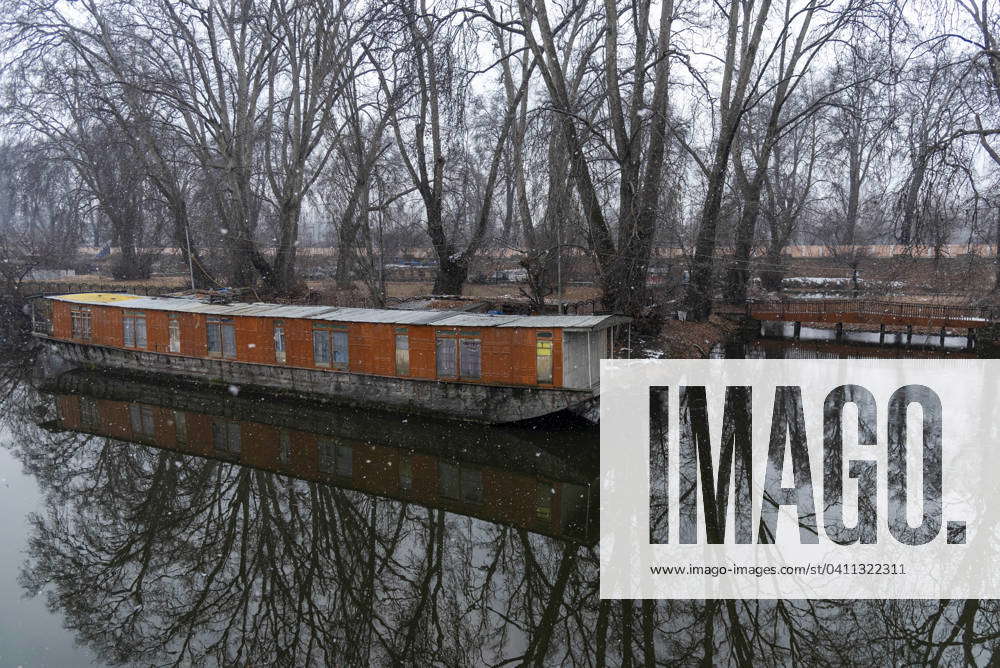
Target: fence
{"x": 32, "y": 289}
{"x": 864, "y": 310}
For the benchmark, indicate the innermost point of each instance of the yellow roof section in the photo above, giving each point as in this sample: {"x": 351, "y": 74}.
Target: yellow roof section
{"x": 98, "y": 297}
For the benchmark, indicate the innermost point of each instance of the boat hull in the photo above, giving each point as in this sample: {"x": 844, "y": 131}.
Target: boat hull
{"x": 491, "y": 404}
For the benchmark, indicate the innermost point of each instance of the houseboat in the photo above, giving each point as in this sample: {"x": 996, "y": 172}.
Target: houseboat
{"x": 539, "y": 481}
{"x": 469, "y": 366}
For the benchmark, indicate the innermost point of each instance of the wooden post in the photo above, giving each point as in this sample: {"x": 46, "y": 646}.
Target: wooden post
{"x": 798, "y": 330}
{"x": 909, "y": 335}
{"x": 881, "y": 334}
{"x": 970, "y": 341}
{"x": 942, "y": 337}
{"x": 840, "y": 331}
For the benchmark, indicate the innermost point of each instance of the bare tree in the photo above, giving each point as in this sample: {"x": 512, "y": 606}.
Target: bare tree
{"x": 315, "y": 66}
{"x": 793, "y": 55}
{"x": 635, "y": 140}
{"x": 746, "y": 22}
{"x": 863, "y": 114}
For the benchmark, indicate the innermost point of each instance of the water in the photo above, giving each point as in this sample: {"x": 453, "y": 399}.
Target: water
{"x": 151, "y": 524}
{"x": 898, "y": 339}
{"x": 30, "y": 635}
{"x": 162, "y": 524}
{"x": 778, "y": 342}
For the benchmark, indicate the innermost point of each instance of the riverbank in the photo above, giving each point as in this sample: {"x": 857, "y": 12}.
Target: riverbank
{"x": 682, "y": 339}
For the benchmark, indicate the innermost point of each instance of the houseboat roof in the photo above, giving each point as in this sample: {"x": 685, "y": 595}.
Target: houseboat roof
{"x": 437, "y": 318}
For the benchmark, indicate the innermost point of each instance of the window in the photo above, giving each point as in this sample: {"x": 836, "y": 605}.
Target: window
{"x": 336, "y": 458}
{"x": 88, "y": 412}
{"x": 405, "y": 472}
{"x": 344, "y": 464}
{"x": 221, "y": 337}
{"x": 279, "y": 341}
{"x": 446, "y": 357}
{"x": 284, "y": 447}
{"x": 226, "y": 437}
{"x": 80, "y": 320}
{"x": 175, "y": 334}
{"x": 461, "y": 483}
{"x": 330, "y": 347}
{"x": 134, "y": 325}
{"x": 469, "y": 357}
{"x": 458, "y": 355}
{"x": 543, "y": 358}
{"x": 544, "y": 494}
{"x": 142, "y": 419}
{"x": 402, "y": 352}
{"x": 180, "y": 427}
{"x": 321, "y": 347}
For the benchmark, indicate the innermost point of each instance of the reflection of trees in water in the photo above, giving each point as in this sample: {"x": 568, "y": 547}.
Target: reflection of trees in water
{"x": 17, "y": 353}
{"x": 158, "y": 558}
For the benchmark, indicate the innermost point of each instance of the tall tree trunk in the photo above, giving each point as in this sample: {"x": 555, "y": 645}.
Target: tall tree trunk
{"x": 127, "y": 267}
{"x": 738, "y": 283}
{"x": 450, "y": 278}
{"x": 699, "y": 298}
{"x": 909, "y": 231}
{"x": 739, "y": 275}
{"x": 350, "y": 222}
{"x": 284, "y": 281}
{"x": 347, "y": 234}
{"x": 853, "y": 198}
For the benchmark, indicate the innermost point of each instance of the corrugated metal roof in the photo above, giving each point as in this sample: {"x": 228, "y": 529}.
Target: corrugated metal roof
{"x": 286, "y": 311}
{"x": 383, "y": 315}
{"x": 567, "y": 321}
{"x": 181, "y": 305}
{"x": 476, "y": 320}
{"x": 338, "y": 314}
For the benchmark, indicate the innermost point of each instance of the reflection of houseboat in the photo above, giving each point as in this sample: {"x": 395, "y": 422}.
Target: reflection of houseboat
{"x": 470, "y": 366}
{"x": 536, "y": 480}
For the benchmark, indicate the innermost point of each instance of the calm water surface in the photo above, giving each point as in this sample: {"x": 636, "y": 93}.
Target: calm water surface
{"x": 149, "y": 524}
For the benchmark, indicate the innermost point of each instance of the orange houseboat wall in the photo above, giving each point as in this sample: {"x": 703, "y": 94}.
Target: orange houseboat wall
{"x": 508, "y": 497}
{"x": 508, "y": 355}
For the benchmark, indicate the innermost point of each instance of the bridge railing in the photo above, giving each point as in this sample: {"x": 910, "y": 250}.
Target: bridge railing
{"x": 870, "y": 307}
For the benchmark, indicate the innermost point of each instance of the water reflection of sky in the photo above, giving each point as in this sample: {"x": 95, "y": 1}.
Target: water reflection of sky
{"x": 30, "y": 635}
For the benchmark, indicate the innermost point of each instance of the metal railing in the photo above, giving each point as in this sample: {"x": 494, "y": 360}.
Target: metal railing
{"x": 795, "y": 309}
